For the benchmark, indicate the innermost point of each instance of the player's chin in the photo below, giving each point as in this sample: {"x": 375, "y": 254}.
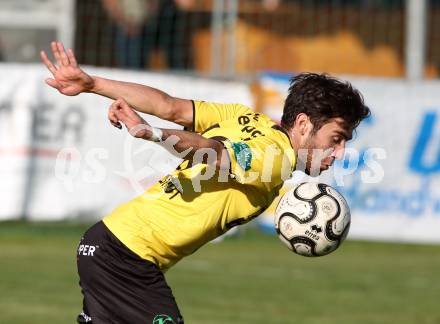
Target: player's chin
{"x": 316, "y": 172}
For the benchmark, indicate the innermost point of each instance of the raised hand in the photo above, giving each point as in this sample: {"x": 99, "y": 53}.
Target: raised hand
{"x": 68, "y": 78}
{"x": 120, "y": 112}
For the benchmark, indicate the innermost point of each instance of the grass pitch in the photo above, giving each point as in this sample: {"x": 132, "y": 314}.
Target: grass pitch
{"x": 248, "y": 279}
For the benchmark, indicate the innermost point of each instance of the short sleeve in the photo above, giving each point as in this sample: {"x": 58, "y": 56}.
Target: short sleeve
{"x": 260, "y": 162}
{"x": 207, "y": 114}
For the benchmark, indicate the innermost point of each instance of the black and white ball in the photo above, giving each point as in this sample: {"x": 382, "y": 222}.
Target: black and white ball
{"x": 312, "y": 219}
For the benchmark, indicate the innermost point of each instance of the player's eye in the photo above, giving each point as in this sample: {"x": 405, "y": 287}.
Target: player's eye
{"x": 337, "y": 139}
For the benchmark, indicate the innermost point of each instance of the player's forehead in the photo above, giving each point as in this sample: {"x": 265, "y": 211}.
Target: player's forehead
{"x": 337, "y": 126}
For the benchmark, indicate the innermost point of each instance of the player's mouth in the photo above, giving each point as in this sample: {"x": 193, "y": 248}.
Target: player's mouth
{"x": 327, "y": 164}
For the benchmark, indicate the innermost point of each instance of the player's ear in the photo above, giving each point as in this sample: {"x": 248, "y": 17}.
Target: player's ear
{"x": 303, "y": 123}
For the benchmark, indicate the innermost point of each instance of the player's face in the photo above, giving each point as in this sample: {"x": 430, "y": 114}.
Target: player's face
{"x": 325, "y": 145}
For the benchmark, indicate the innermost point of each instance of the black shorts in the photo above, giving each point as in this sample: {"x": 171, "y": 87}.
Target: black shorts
{"x": 120, "y": 287}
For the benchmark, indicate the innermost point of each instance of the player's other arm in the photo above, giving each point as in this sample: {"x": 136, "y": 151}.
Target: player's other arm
{"x": 147, "y": 100}
{"x": 182, "y": 143}
{"x": 69, "y": 79}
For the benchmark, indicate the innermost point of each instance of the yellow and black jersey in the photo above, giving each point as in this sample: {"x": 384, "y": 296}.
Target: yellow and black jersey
{"x": 197, "y": 203}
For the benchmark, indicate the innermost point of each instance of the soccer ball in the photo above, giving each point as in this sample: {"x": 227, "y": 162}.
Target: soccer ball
{"x": 312, "y": 219}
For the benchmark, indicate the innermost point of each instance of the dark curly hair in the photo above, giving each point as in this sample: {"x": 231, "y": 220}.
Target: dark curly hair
{"x": 322, "y": 98}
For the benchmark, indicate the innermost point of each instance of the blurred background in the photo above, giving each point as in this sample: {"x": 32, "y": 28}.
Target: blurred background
{"x": 62, "y": 166}
{"x": 383, "y": 38}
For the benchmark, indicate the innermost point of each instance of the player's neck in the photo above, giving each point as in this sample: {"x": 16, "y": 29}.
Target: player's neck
{"x": 291, "y": 134}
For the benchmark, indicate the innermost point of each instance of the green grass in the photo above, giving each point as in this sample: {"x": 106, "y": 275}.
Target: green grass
{"x": 249, "y": 279}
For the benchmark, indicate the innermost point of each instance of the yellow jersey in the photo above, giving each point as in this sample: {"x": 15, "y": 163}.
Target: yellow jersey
{"x": 195, "y": 203}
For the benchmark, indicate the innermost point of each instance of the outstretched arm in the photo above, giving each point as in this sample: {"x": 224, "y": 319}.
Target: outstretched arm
{"x": 187, "y": 143}
{"x": 70, "y": 80}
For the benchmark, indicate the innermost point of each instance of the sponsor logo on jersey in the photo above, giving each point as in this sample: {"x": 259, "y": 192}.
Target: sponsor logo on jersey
{"x": 243, "y": 155}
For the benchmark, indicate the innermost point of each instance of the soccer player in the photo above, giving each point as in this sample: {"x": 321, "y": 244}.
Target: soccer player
{"x": 234, "y": 163}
